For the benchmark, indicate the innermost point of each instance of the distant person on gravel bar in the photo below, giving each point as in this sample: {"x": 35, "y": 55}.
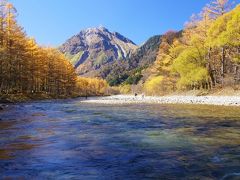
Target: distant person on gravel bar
{"x": 136, "y": 94}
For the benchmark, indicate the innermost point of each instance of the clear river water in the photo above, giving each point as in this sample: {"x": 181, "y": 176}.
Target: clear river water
{"x": 69, "y": 139}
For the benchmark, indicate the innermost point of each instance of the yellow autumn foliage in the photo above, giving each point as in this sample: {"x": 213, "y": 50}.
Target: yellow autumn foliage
{"x": 125, "y": 89}
{"x": 153, "y": 85}
{"x": 91, "y": 86}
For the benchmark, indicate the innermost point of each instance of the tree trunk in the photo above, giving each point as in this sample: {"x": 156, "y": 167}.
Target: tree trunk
{"x": 209, "y": 68}
{"x": 223, "y": 65}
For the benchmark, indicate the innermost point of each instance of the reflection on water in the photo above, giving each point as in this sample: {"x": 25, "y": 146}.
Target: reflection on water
{"x": 70, "y": 139}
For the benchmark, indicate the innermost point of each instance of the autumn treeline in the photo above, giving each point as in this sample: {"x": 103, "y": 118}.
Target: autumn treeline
{"x": 28, "y": 68}
{"x": 91, "y": 87}
{"x": 205, "y": 55}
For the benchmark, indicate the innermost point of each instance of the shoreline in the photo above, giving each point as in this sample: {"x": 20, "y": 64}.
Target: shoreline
{"x": 194, "y": 100}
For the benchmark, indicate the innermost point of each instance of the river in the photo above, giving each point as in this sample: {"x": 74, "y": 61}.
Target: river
{"x": 69, "y": 139}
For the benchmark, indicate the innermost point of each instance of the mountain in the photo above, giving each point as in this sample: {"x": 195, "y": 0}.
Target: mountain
{"x": 129, "y": 69}
{"x": 145, "y": 54}
{"x": 93, "y": 48}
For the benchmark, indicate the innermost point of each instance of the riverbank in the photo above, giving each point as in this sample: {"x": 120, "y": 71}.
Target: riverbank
{"x": 15, "y": 98}
{"x": 18, "y": 98}
{"x": 130, "y": 99}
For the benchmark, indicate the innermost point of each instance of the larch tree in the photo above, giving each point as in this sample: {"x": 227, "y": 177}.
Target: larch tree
{"x": 215, "y": 10}
{"x": 168, "y": 51}
{"x": 218, "y": 8}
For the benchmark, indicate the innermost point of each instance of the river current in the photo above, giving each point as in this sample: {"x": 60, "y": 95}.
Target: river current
{"x": 69, "y": 139}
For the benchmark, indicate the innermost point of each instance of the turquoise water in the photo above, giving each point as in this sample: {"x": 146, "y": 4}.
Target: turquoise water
{"x": 68, "y": 139}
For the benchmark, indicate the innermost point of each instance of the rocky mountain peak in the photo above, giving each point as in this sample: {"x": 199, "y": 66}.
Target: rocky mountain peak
{"x": 93, "y": 48}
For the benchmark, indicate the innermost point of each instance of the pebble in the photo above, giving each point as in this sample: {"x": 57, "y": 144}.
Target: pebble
{"x": 129, "y": 99}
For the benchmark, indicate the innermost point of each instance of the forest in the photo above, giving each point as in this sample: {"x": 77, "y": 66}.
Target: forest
{"x": 205, "y": 56}
{"x": 28, "y": 70}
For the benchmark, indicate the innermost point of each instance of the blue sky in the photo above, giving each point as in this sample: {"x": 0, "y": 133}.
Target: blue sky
{"x": 52, "y": 22}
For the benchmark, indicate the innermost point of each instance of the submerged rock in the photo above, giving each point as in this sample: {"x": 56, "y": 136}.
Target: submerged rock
{"x": 2, "y": 107}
